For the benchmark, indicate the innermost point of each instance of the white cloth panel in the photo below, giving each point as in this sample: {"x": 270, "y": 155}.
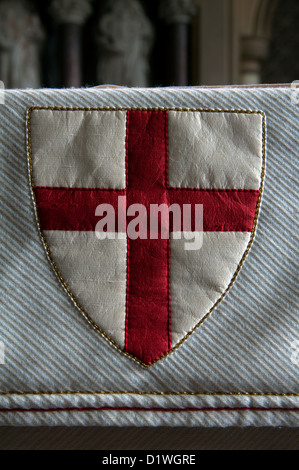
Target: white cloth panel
{"x": 198, "y": 278}
{"x": 95, "y": 272}
{"x": 242, "y": 356}
{"x": 78, "y": 148}
{"x": 212, "y": 141}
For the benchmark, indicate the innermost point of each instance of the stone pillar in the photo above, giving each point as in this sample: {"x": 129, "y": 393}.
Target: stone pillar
{"x": 254, "y": 50}
{"x": 177, "y": 15}
{"x": 124, "y": 36}
{"x": 70, "y": 16}
{"x": 21, "y": 37}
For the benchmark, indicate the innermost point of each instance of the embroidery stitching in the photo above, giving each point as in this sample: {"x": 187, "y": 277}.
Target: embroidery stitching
{"x": 168, "y": 187}
{"x": 168, "y": 294}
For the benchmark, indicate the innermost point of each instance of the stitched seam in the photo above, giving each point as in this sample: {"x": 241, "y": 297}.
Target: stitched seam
{"x": 128, "y": 240}
{"x": 168, "y": 187}
{"x": 166, "y": 150}
{"x": 133, "y": 109}
{"x": 132, "y": 392}
{"x": 72, "y": 298}
{"x": 168, "y": 241}
{"x": 68, "y": 188}
{"x": 125, "y": 408}
{"x": 127, "y": 147}
{"x": 127, "y": 293}
{"x": 215, "y": 190}
{"x": 168, "y": 294}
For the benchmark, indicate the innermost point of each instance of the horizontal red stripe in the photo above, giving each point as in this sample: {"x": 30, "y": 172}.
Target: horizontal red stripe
{"x": 124, "y": 408}
{"x": 74, "y": 209}
{"x": 229, "y": 210}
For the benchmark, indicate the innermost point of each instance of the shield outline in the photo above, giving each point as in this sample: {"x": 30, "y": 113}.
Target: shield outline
{"x": 47, "y": 248}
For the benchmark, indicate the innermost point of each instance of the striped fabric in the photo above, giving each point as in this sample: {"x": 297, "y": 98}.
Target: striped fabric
{"x": 240, "y": 367}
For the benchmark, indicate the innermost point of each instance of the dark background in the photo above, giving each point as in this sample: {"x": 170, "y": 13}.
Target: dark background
{"x": 223, "y": 42}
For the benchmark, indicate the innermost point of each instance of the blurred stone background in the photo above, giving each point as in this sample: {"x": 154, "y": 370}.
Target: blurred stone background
{"x": 73, "y": 43}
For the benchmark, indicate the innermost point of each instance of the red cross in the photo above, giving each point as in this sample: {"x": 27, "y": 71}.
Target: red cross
{"x": 148, "y": 305}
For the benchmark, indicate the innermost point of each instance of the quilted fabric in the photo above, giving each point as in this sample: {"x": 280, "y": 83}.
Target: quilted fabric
{"x": 238, "y": 368}
{"x": 149, "y": 144}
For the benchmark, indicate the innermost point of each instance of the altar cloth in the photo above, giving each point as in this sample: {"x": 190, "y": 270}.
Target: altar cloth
{"x": 215, "y": 341}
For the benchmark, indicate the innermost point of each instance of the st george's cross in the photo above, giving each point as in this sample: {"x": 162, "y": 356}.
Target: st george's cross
{"x": 146, "y": 295}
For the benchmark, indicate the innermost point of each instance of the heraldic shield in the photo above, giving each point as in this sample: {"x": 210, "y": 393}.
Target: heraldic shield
{"x": 100, "y": 176}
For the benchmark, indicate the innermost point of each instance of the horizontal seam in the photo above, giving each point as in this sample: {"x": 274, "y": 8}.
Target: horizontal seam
{"x": 67, "y": 229}
{"x": 73, "y": 188}
{"x": 176, "y": 188}
{"x": 132, "y": 392}
{"x": 132, "y": 109}
{"x": 124, "y": 408}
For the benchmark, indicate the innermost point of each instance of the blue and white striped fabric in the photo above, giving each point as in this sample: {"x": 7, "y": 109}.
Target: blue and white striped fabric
{"x": 239, "y": 368}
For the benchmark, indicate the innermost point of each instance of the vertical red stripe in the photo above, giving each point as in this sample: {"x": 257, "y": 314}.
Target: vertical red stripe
{"x": 147, "y": 322}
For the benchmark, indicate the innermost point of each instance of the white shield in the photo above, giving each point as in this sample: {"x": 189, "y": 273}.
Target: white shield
{"x": 146, "y": 296}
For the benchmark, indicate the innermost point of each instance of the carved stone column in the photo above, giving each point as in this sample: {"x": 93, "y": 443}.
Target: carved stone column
{"x": 177, "y": 15}
{"x": 70, "y": 16}
{"x": 124, "y": 36}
